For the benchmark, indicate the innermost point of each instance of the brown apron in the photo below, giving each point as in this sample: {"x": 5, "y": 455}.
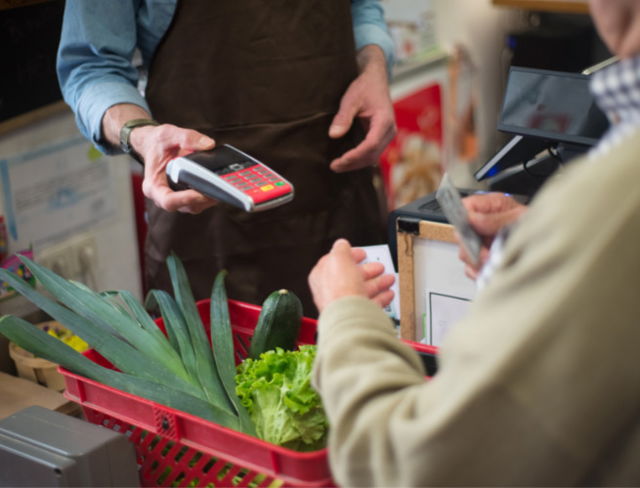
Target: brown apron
{"x": 266, "y": 77}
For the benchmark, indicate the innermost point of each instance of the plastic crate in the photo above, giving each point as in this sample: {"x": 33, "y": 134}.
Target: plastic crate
{"x": 174, "y": 448}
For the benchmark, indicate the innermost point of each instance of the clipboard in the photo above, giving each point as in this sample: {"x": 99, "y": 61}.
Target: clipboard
{"x": 429, "y": 269}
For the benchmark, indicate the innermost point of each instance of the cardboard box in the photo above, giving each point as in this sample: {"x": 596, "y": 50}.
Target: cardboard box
{"x": 20, "y": 307}
{"x": 18, "y": 393}
{"x": 6, "y": 363}
{"x": 40, "y": 370}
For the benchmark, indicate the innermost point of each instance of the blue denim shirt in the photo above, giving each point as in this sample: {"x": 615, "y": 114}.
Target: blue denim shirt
{"x": 99, "y": 39}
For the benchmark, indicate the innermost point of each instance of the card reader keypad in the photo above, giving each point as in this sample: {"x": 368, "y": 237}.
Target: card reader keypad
{"x": 258, "y": 182}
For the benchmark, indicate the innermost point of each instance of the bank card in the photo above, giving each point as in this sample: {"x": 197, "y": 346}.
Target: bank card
{"x": 450, "y": 202}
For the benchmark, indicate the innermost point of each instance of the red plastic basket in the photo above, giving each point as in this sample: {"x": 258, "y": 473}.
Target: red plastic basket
{"x": 174, "y": 448}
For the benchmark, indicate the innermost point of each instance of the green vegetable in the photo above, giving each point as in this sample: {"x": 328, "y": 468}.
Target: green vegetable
{"x": 276, "y": 390}
{"x": 100, "y": 334}
{"x": 206, "y": 370}
{"x": 278, "y": 324}
{"x": 176, "y": 328}
{"x": 45, "y": 346}
{"x": 178, "y": 371}
{"x": 222, "y": 344}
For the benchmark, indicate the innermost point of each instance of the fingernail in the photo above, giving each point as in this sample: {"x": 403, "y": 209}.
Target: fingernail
{"x": 205, "y": 141}
{"x": 336, "y": 130}
{"x": 340, "y": 242}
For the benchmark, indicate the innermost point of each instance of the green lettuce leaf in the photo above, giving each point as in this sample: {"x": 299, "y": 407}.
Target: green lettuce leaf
{"x": 276, "y": 390}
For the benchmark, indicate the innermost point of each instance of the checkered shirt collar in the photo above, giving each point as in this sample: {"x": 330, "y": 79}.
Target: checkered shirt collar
{"x": 617, "y": 90}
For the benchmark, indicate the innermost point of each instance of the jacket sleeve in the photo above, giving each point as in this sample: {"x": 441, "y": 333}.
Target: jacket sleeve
{"x": 369, "y": 27}
{"x": 94, "y": 61}
{"x": 536, "y": 386}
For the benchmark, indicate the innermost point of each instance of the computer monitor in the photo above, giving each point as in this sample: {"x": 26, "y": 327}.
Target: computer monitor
{"x": 551, "y": 105}
{"x": 543, "y": 109}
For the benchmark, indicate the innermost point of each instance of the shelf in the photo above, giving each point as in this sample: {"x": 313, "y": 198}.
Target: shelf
{"x": 32, "y": 116}
{"x": 561, "y": 6}
{"x": 428, "y": 60}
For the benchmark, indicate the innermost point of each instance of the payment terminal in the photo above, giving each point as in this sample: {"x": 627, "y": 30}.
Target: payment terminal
{"x": 231, "y": 176}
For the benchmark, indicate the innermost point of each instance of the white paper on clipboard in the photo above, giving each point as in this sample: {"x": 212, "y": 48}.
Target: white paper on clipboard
{"x": 445, "y": 310}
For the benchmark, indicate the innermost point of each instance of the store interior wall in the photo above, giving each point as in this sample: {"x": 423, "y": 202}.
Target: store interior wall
{"x": 115, "y": 263}
{"x": 480, "y": 28}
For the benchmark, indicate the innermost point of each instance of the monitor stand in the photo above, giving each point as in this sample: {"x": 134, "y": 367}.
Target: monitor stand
{"x": 526, "y": 178}
{"x": 516, "y": 151}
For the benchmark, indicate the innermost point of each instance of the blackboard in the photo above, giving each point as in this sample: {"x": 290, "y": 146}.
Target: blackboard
{"x": 29, "y": 36}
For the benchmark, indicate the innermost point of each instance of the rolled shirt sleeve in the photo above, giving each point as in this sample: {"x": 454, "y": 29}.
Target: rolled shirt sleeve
{"x": 94, "y": 61}
{"x": 369, "y": 27}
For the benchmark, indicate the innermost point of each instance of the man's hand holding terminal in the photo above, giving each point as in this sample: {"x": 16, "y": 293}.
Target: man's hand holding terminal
{"x": 157, "y": 145}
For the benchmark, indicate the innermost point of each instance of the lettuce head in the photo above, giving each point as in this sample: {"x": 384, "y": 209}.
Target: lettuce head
{"x": 276, "y": 390}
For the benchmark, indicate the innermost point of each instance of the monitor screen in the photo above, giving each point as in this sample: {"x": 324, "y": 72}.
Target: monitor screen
{"x": 551, "y": 105}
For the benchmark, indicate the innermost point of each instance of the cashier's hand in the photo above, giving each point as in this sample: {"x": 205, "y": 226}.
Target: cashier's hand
{"x": 339, "y": 274}
{"x": 158, "y": 145}
{"x": 488, "y": 213}
{"x": 367, "y": 99}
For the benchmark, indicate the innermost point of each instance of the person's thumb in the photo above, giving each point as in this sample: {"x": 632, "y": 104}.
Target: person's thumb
{"x": 342, "y": 249}
{"x": 204, "y": 142}
{"x": 342, "y": 122}
{"x": 490, "y": 224}
{"x": 195, "y": 141}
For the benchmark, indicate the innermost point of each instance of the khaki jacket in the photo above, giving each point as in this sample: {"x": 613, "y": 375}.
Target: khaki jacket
{"x": 538, "y": 385}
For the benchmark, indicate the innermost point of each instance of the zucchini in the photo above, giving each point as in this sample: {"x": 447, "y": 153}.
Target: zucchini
{"x": 278, "y": 324}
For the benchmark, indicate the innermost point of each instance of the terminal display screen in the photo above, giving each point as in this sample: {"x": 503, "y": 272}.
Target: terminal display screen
{"x": 551, "y": 105}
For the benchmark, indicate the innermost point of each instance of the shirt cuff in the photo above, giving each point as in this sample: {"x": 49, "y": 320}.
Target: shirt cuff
{"x": 96, "y": 100}
{"x": 366, "y": 34}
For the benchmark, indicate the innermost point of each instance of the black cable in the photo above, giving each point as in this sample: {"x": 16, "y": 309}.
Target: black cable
{"x": 551, "y": 154}
{"x": 553, "y": 150}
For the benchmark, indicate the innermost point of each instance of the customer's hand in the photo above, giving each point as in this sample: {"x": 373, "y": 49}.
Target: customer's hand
{"x": 338, "y": 274}
{"x": 158, "y": 145}
{"x": 367, "y": 99}
{"x": 488, "y": 213}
